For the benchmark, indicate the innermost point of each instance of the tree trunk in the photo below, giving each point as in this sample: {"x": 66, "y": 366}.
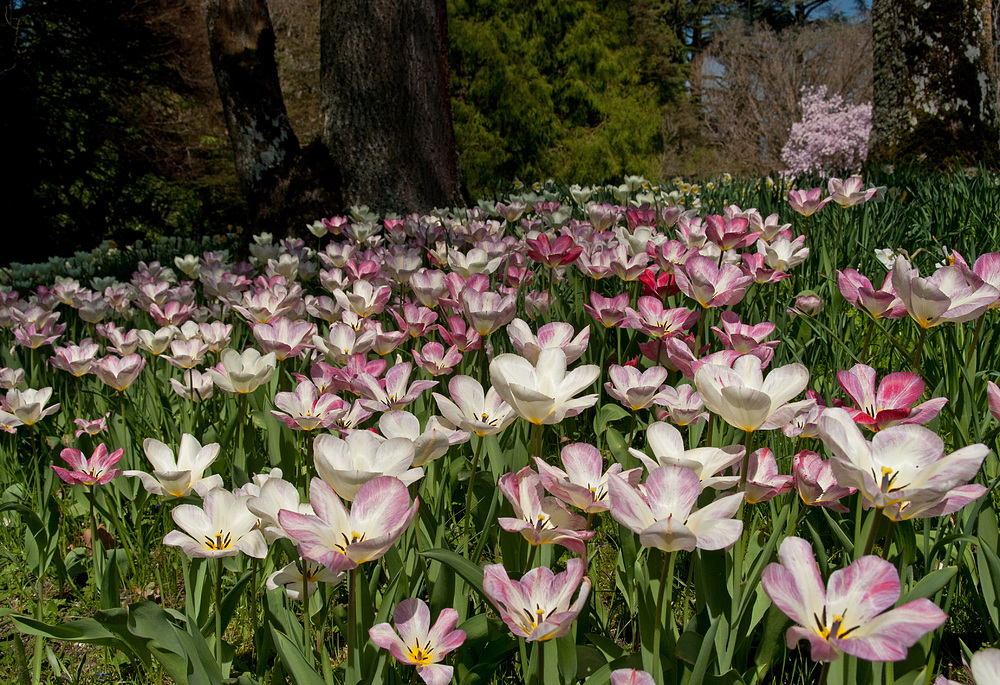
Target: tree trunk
{"x": 282, "y": 184}
{"x": 935, "y": 82}
{"x": 386, "y": 102}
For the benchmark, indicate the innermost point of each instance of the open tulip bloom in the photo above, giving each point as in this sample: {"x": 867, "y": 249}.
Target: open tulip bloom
{"x": 539, "y": 519}
{"x": 177, "y": 477}
{"x": 903, "y": 470}
{"x": 890, "y": 404}
{"x": 661, "y": 511}
{"x": 584, "y": 483}
{"x": 94, "y": 471}
{"x": 341, "y": 539}
{"x": 543, "y": 393}
{"x": 745, "y": 399}
{"x": 846, "y": 616}
{"x": 221, "y": 527}
{"x": 419, "y": 644}
{"x": 539, "y": 606}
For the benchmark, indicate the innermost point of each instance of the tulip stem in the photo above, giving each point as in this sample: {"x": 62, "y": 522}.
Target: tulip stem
{"x": 747, "y": 440}
{"x": 468, "y": 495}
{"x": 661, "y": 621}
{"x": 975, "y": 339}
{"x": 873, "y": 533}
{"x": 218, "y": 609}
{"x": 919, "y": 350}
{"x": 868, "y": 339}
{"x": 540, "y": 675}
{"x": 353, "y": 675}
{"x": 306, "y": 619}
{"x": 823, "y": 673}
{"x": 94, "y": 543}
{"x": 531, "y": 558}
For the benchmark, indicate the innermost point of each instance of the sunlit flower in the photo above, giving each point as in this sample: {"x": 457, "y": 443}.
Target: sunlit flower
{"x": 417, "y": 642}
{"x": 221, "y": 527}
{"x": 543, "y": 393}
{"x": 94, "y": 471}
{"x": 708, "y": 462}
{"x": 28, "y": 406}
{"x": 347, "y": 464}
{"x": 950, "y": 294}
{"x": 903, "y": 470}
{"x": 889, "y": 405}
{"x": 763, "y": 480}
{"x": 556, "y": 334}
{"x": 243, "y": 373}
{"x": 846, "y": 616}
{"x": 881, "y": 304}
{"x": 470, "y": 409}
{"x": 393, "y": 392}
{"x": 539, "y": 606}
{"x": 816, "y": 484}
{"x": 177, "y": 477}
{"x": 539, "y": 519}
{"x": 584, "y": 483}
{"x": 120, "y": 372}
{"x": 745, "y": 399}
{"x": 94, "y": 427}
{"x": 430, "y": 444}
{"x": 661, "y": 511}
{"x": 341, "y": 539}
{"x": 293, "y": 576}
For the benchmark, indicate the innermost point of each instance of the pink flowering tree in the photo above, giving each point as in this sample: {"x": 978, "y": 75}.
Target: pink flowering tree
{"x": 833, "y": 134}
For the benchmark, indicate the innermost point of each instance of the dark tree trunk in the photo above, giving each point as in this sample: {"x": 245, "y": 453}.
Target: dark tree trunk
{"x": 935, "y": 82}
{"x": 282, "y": 184}
{"x": 386, "y": 102}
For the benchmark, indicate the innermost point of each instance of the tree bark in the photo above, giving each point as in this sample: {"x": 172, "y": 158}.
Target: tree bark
{"x": 935, "y": 77}
{"x": 386, "y": 103}
{"x": 283, "y": 185}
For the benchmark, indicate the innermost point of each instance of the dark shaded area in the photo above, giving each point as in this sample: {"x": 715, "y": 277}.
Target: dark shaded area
{"x": 109, "y": 126}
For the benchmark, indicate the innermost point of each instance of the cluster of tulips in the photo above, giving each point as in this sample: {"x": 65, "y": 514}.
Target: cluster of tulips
{"x": 348, "y": 351}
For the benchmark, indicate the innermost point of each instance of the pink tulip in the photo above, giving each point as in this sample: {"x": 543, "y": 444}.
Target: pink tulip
{"x": 76, "y": 360}
{"x": 729, "y": 234}
{"x": 662, "y": 511}
{"x": 634, "y": 389}
{"x": 607, "y": 311}
{"x": 552, "y": 335}
{"x": 471, "y": 409}
{"x": 417, "y": 642}
{"x": 683, "y": 405}
{"x": 414, "y": 321}
{"x": 584, "y": 483}
{"x": 848, "y": 192}
{"x": 858, "y": 290}
{"x": 553, "y": 253}
{"x": 630, "y": 676}
{"x": 486, "y": 312}
{"x": 846, "y": 616}
{"x": 539, "y": 519}
{"x": 763, "y": 480}
{"x": 94, "y": 471}
{"x": 708, "y": 463}
{"x": 539, "y": 607}
{"x": 342, "y": 539}
{"x": 284, "y": 337}
{"x": 993, "y": 399}
{"x": 435, "y": 360}
{"x": 807, "y": 202}
{"x": 890, "y": 405}
{"x": 703, "y": 280}
{"x": 903, "y": 470}
{"x": 120, "y": 372}
{"x": 656, "y": 321}
{"x": 394, "y": 392}
{"x": 950, "y": 294}
{"x": 307, "y": 409}
{"x": 815, "y": 482}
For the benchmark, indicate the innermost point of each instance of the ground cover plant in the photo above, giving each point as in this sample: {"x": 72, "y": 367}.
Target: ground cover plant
{"x": 739, "y": 432}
